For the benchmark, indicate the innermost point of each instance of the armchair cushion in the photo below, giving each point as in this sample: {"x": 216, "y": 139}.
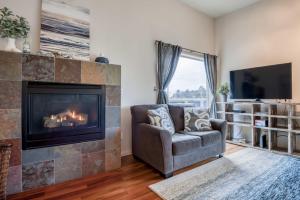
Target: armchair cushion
{"x": 196, "y": 119}
{"x": 160, "y": 117}
{"x": 183, "y": 143}
{"x": 208, "y": 137}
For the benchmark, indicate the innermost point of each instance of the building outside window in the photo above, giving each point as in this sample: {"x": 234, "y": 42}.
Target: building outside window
{"x": 188, "y": 86}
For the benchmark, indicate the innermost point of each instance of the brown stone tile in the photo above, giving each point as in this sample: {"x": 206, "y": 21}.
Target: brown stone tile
{"x": 14, "y": 180}
{"x": 68, "y": 168}
{"x": 112, "y": 138}
{"x": 10, "y": 121}
{"x": 37, "y": 68}
{"x": 112, "y": 159}
{"x": 112, "y": 116}
{"x": 93, "y": 163}
{"x": 37, "y": 155}
{"x": 10, "y": 94}
{"x": 15, "y": 157}
{"x": 93, "y": 146}
{"x": 113, "y": 75}
{"x": 113, "y": 95}
{"x": 67, "y": 150}
{"x": 10, "y": 66}
{"x": 36, "y": 175}
{"x": 67, "y": 71}
{"x": 93, "y": 73}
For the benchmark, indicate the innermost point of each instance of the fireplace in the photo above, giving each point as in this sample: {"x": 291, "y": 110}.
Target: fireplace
{"x": 56, "y": 114}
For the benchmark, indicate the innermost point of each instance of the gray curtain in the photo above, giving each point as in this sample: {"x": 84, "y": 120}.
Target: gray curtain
{"x": 167, "y": 60}
{"x": 210, "y": 63}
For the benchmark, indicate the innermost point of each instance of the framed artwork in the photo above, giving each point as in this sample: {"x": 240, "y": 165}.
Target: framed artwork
{"x": 65, "y": 29}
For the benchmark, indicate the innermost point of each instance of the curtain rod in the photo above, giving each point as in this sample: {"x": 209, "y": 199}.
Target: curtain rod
{"x": 190, "y": 50}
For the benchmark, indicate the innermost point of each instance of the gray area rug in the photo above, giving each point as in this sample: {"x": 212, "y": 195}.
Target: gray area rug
{"x": 248, "y": 174}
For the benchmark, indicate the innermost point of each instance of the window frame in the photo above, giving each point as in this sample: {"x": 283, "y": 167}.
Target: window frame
{"x": 198, "y": 57}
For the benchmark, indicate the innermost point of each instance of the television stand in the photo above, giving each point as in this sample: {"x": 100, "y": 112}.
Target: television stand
{"x": 282, "y": 121}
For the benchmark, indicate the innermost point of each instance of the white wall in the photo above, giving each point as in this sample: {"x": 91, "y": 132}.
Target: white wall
{"x": 265, "y": 33}
{"x": 125, "y": 31}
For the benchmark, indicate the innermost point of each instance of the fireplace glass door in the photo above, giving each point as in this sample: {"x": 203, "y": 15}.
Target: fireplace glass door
{"x": 55, "y": 114}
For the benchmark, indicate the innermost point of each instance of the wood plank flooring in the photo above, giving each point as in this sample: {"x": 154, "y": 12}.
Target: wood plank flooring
{"x": 130, "y": 182}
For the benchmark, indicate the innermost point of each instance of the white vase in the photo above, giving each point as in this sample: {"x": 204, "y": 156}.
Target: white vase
{"x": 11, "y": 45}
{"x": 224, "y": 98}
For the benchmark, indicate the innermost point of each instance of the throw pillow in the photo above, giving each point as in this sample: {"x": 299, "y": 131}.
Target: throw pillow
{"x": 161, "y": 117}
{"x": 196, "y": 119}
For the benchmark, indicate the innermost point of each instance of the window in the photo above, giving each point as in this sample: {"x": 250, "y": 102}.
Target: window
{"x": 188, "y": 86}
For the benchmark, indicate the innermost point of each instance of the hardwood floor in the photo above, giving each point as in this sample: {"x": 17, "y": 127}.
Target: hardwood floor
{"x": 128, "y": 183}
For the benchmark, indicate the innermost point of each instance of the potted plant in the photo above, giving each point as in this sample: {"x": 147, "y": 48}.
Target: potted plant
{"x": 224, "y": 91}
{"x": 12, "y": 27}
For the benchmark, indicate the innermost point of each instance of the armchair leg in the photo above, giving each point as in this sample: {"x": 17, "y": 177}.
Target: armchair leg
{"x": 168, "y": 175}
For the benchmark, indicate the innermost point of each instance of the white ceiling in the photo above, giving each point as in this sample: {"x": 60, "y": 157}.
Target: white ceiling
{"x": 217, "y": 8}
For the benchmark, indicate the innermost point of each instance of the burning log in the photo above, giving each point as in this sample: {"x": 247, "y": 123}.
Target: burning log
{"x": 65, "y": 119}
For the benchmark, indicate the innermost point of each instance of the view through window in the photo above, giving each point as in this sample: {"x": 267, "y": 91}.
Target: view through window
{"x": 188, "y": 86}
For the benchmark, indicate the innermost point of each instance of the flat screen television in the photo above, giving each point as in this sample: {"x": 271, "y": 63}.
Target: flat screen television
{"x": 268, "y": 82}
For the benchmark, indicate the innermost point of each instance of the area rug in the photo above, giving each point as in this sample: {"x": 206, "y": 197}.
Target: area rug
{"x": 247, "y": 174}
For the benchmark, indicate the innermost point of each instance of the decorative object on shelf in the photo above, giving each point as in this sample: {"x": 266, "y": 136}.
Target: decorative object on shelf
{"x": 101, "y": 59}
{"x": 62, "y": 55}
{"x": 5, "y": 152}
{"x": 263, "y": 141}
{"x": 224, "y": 91}
{"x": 65, "y": 29}
{"x": 45, "y": 53}
{"x": 261, "y": 122}
{"x": 12, "y": 27}
{"x": 26, "y": 46}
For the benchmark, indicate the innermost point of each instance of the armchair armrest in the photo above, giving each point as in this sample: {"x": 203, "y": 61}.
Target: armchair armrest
{"x": 154, "y": 146}
{"x": 220, "y": 125}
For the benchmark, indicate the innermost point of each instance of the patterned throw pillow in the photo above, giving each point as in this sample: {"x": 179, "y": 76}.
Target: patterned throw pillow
{"x": 196, "y": 119}
{"x": 160, "y": 117}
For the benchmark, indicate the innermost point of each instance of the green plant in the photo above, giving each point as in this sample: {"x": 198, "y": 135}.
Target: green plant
{"x": 224, "y": 89}
{"x": 12, "y": 26}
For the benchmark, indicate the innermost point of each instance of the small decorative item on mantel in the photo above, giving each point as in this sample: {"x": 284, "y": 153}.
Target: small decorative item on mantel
{"x": 224, "y": 91}
{"x": 26, "y": 46}
{"x": 12, "y": 27}
{"x": 101, "y": 59}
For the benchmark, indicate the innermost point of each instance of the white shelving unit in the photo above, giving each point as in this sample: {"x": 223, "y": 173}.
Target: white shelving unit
{"x": 281, "y": 118}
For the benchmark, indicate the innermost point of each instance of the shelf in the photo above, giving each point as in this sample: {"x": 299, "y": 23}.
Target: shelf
{"x": 297, "y": 131}
{"x": 295, "y": 117}
{"x": 260, "y": 115}
{"x": 281, "y": 116}
{"x": 257, "y": 103}
{"x": 239, "y": 143}
{"x": 236, "y": 113}
{"x": 261, "y": 127}
{"x": 283, "y": 129}
{"x": 296, "y": 153}
{"x": 279, "y": 150}
{"x": 272, "y": 116}
{"x": 240, "y": 124}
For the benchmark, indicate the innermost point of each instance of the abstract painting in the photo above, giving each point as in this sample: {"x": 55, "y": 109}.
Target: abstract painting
{"x": 65, "y": 29}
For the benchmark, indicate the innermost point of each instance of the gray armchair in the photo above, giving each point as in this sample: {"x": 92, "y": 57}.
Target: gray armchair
{"x": 168, "y": 153}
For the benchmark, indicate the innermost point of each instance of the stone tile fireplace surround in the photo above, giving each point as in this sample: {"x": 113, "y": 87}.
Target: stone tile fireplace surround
{"x": 45, "y": 166}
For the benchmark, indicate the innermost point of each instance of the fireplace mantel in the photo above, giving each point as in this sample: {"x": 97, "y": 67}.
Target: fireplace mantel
{"x": 45, "y": 166}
